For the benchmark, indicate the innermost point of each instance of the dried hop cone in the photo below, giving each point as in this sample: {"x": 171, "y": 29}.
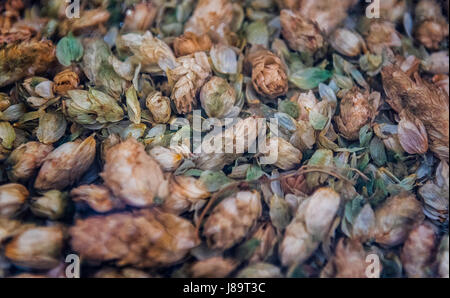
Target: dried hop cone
{"x": 395, "y": 219}
{"x": 355, "y": 111}
{"x": 36, "y": 247}
{"x": 188, "y": 77}
{"x": 64, "y": 81}
{"x": 347, "y": 42}
{"x": 418, "y": 252}
{"x": 98, "y": 197}
{"x": 301, "y": 34}
{"x": 144, "y": 178}
{"x": 349, "y": 261}
{"x": 432, "y": 27}
{"x": 212, "y": 17}
{"x": 189, "y": 43}
{"x": 159, "y": 107}
{"x": 380, "y": 35}
{"x": 217, "y": 97}
{"x": 309, "y": 227}
{"x": 268, "y": 73}
{"x": 67, "y": 163}
{"x": 25, "y": 159}
{"x": 423, "y": 101}
{"x": 140, "y": 17}
{"x": 232, "y": 219}
{"x": 146, "y": 238}
{"x": 184, "y": 191}
{"x": 12, "y": 198}
{"x": 215, "y": 267}
{"x": 412, "y": 134}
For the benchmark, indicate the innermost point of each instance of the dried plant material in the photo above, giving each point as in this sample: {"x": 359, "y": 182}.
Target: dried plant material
{"x": 268, "y": 74}
{"x": 65, "y": 80}
{"x": 355, "y": 111}
{"x": 412, "y": 134}
{"x": 349, "y": 261}
{"x": 309, "y": 227}
{"x": 288, "y": 156}
{"x": 267, "y": 238}
{"x": 159, "y": 107}
{"x": 88, "y": 21}
{"x": 437, "y": 63}
{"x": 185, "y": 192}
{"x": 216, "y": 267}
{"x": 231, "y": 220}
{"x": 396, "y": 218}
{"x": 217, "y": 97}
{"x": 111, "y": 272}
{"x": 64, "y": 165}
{"x": 98, "y": 197}
{"x": 26, "y": 159}
{"x": 145, "y": 178}
{"x": 168, "y": 158}
{"x": 432, "y": 26}
{"x": 301, "y": 34}
{"x": 425, "y": 102}
{"x": 52, "y": 126}
{"x": 12, "y": 198}
{"x": 347, "y": 42}
{"x": 442, "y": 81}
{"x": 190, "y": 43}
{"x": 37, "y": 248}
{"x": 260, "y": 270}
{"x": 418, "y": 251}
{"x": 140, "y": 17}
{"x": 212, "y": 17}
{"x": 435, "y": 195}
{"x": 328, "y": 14}
{"x": 442, "y": 257}
{"x": 381, "y": 35}
{"x": 27, "y": 58}
{"x": 188, "y": 78}
{"x": 148, "y": 238}
{"x": 51, "y": 204}
{"x": 392, "y": 10}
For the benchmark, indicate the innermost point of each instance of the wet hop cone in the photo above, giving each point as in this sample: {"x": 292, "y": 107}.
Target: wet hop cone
{"x": 147, "y": 238}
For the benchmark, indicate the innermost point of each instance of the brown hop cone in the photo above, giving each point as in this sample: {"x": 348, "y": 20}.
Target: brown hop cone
{"x": 25, "y": 159}
{"x": 355, "y": 111}
{"x": 423, "y": 101}
{"x": 232, "y": 219}
{"x": 147, "y": 238}
{"x": 267, "y": 237}
{"x": 12, "y": 198}
{"x": 64, "y": 81}
{"x": 381, "y": 35}
{"x": 98, "y": 197}
{"x": 36, "y": 247}
{"x": 268, "y": 73}
{"x": 432, "y": 27}
{"x": 327, "y": 14}
{"x": 212, "y": 17}
{"x": 188, "y": 77}
{"x": 215, "y": 267}
{"x": 189, "y": 43}
{"x": 349, "y": 261}
{"x": 67, "y": 163}
{"x": 19, "y": 60}
{"x": 418, "y": 252}
{"x": 309, "y": 227}
{"x": 140, "y": 17}
{"x": 144, "y": 178}
{"x": 395, "y": 219}
{"x": 301, "y": 34}
{"x": 412, "y": 134}
{"x": 184, "y": 191}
